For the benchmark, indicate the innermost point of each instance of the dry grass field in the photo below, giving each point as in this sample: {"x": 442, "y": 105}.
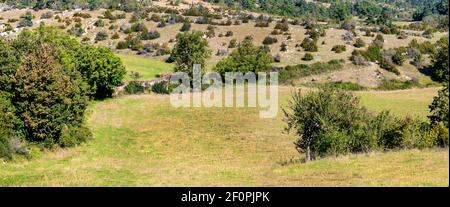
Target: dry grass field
{"x": 144, "y": 141}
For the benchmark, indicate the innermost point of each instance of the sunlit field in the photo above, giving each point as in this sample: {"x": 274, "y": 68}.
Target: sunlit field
{"x": 144, "y": 141}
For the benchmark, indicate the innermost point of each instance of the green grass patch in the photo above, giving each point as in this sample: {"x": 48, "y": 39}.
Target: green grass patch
{"x": 148, "y": 68}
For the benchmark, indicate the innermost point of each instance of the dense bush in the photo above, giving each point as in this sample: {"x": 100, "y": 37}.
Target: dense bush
{"x": 101, "y": 36}
{"x": 309, "y": 45}
{"x": 101, "y": 69}
{"x": 440, "y": 65}
{"x": 45, "y": 97}
{"x": 283, "y": 26}
{"x": 308, "y": 56}
{"x": 160, "y": 88}
{"x": 397, "y": 85}
{"x": 190, "y": 49}
{"x": 134, "y": 87}
{"x": 359, "y": 43}
{"x": 186, "y": 26}
{"x": 326, "y": 121}
{"x": 332, "y": 122}
{"x": 74, "y": 135}
{"x": 290, "y": 73}
{"x": 8, "y": 120}
{"x": 270, "y": 40}
{"x": 339, "y": 48}
{"x": 245, "y": 58}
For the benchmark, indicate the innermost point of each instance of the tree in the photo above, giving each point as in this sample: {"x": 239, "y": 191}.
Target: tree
{"x": 8, "y": 65}
{"x": 189, "y": 50}
{"x": 46, "y": 99}
{"x": 101, "y": 69}
{"x": 439, "y": 108}
{"x": 7, "y": 125}
{"x": 440, "y": 66}
{"x": 245, "y": 58}
{"x": 326, "y": 121}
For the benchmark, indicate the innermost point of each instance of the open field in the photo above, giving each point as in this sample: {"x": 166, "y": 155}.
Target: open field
{"x": 148, "y": 68}
{"x": 143, "y": 141}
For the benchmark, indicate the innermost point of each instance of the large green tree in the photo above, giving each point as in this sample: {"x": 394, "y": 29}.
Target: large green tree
{"x": 101, "y": 69}
{"x": 46, "y": 99}
{"x": 189, "y": 50}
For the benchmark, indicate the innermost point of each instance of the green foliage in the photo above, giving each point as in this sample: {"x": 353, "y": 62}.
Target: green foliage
{"x": 347, "y": 86}
{"x": 308, "y": 57}
{"x": 339, "y": 48}
{"x": 397, "y": 85}
{"x": 269, "y": 40}
{"x": 101, "y": 69}
{"x": 186, "y": 26}
{"x": 8, "y": 120}
{"x": 326, "y": 121}
{"x": 440, "y": 66}
{"x": 74, "y": 135}
{"x": 134, "y": 87}
{"x": 359, "y": 43}
{"x": 189, "y": 50}
{"x": 45, "y": 97}
{"x": 309, "y": 45}
{"x": 289, "y": 73}
{"x": 160, "y": 88}
{"x": 245, "y": 58}
{"x": 332, "y": 122}
{"x": 439, "y": 108}
{"x": 101, "y": 36}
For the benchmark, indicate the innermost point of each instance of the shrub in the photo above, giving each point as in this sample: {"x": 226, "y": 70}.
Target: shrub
{"x": 262, "y": 24}
{"x": 160, "y": 88}
{"x": 186, "y": 26}
{"x": 8, "y": 120}
{"x": 229, "y": 34}
{"x": 284, "y": 47}
{"x": 233, "y": 43}
{"x": 150, "y": 35}
{"x": 359, "y": 43}
{"x": 101, "y": 69}
{"x": 101, "y": 36}
{"x": 99, "y": 23}
{"x": 115, "y": 36}
{"x": 47, "y": 15}
{"x": 309, "y": 45}
{"x": 269, "y": 40}
{"x": 308, "y": 56}
{"x": 339, "y": 48}
{"x": 134, "y": 87}
{"x": 348, "y": 86}
{"x": 74, "y": 135}
{"x": 283, "y": 26}
{"x": 397, "y": 85}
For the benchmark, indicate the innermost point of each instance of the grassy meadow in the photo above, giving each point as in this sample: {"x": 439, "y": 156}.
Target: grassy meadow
{"x": 148, "y": 68}
{"x": 144, "y": 141}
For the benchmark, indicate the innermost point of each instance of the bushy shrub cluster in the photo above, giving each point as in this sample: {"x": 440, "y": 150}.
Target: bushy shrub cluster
{"x": 46, "y": 80}
{"x": 332, "y": 122}
{"x": 339, "y": 48}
